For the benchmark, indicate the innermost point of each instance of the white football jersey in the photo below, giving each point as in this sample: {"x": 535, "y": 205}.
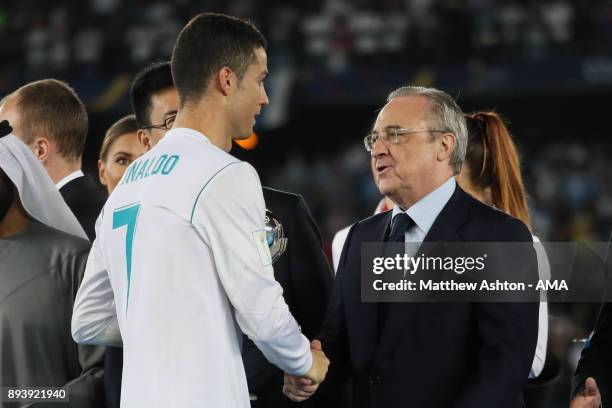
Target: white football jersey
{"x": 180, "y": 257}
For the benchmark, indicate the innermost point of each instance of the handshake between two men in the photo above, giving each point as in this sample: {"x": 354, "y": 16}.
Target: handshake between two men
{"x": 299, "y": 389}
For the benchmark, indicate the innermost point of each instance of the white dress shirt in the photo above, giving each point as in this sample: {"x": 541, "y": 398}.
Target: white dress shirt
{"x": 69, "y": 178}
{"x": 425, "y": 211}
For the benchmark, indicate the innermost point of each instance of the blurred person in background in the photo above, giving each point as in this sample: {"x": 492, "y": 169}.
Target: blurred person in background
{"x": 120, "y": 148}
{"x": 44, "y": 251}
{"x": 155, "y": 102}
{"x": 52, "y": 120}
{"x": 491, "y": 173}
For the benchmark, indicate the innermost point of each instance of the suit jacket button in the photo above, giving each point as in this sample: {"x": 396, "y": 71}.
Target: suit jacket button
{"x": 375, "y": 379}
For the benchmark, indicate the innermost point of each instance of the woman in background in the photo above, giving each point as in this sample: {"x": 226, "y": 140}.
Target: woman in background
{"x": 120, "y": 147}
{"x": 491, "y": 173}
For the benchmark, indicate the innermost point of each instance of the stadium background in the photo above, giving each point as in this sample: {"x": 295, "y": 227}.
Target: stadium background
{"x": 544, "y": 65}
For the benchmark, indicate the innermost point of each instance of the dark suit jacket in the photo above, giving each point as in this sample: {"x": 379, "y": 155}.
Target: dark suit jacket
{"x": 431, "y": 355}
{"x": 85, "y": 200}
{"x": 596, "y": 359}
{"x": 306, "y": 277}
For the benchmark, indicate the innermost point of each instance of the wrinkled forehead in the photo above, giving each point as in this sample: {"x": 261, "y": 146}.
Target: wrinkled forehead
{"x": 409, "y": 112}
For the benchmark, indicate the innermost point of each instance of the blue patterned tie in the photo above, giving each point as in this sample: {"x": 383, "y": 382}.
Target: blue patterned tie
{"x": 399, "y": 225}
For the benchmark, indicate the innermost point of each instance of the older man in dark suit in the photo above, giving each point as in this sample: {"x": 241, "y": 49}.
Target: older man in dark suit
{"x": 425, "y": 355}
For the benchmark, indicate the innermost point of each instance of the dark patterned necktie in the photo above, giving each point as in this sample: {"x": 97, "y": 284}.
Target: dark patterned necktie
{"x": 399, "y": 225}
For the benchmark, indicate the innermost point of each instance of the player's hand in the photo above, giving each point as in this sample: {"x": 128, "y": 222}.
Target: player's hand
{"x": 320, "y": 363}
{"x": 589, "y": 397}
{"x": 298, "y": 389}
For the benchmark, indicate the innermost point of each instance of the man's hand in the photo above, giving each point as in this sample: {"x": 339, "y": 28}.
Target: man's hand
{"x": 299, "y": 389}
{"x": 320, "y": 363}
{"x": 589, "y": 397}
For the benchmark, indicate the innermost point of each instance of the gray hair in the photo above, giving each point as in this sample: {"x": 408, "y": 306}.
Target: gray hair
{"x": 444, "y": 114}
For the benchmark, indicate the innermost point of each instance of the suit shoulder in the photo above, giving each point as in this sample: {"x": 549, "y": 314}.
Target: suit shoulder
{"x": 376, "y": 222}
{"x": 285, "y": 205}
{"x": 372, "y": 220}
{"x": 283, "y": 198}
{"x": 83, "y": 192}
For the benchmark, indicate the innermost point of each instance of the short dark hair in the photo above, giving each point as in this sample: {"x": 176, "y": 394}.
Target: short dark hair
{"x": 208, "y": 43}
{"x": 52, "y": 107}
{"x": 152, "y": 79}
{"x": 126, "y": 124}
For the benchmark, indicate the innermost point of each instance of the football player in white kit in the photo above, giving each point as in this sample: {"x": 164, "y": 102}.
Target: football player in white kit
{"x": 181, "y": 257}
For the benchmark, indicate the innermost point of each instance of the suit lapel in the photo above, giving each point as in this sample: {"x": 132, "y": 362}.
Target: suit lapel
{"x": 364, "y": 324}
{"x": 444, "y": 229}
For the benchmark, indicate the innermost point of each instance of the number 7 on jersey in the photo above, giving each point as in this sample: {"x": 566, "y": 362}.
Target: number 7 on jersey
{"x": 127, "y": 215}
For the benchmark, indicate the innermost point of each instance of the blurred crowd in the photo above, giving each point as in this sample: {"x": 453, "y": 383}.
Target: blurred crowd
{"x": 104, "y": 36}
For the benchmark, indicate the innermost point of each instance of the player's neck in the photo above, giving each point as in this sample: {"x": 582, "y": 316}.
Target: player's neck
{"x": 15, "y": 220}
{"x": 210, "y": 122}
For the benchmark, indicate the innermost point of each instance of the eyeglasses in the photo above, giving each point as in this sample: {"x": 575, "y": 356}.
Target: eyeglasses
{"x": 391, "y": 135}
{"x": 167, "y": 125}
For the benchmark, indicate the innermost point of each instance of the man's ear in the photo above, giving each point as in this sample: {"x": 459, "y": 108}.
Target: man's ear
{"x": 446, "y": 146}
{"x": 144, "y": 138}
{"x": 226, "y": 80}
{"x": 102, "y": 172}
{"x": 41, "y": 147}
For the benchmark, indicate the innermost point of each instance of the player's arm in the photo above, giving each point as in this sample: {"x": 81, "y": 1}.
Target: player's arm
{"x": 229, "y": 215}
{"x": 94, "y": 317}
